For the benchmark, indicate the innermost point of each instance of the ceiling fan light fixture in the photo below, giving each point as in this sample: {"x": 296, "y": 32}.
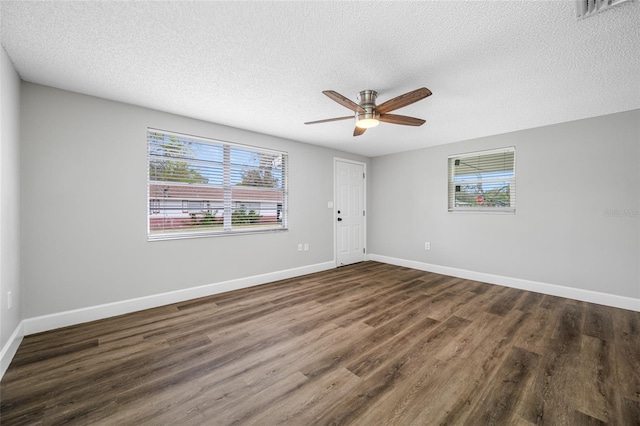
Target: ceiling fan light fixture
{"x": 367, "y": 123}
{"x": 369, "y": 118}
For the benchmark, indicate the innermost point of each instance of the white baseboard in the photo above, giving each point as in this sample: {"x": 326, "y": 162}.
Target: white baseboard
{"x": 10, "y": 348}
{"x": 607, "y": 299}
{"x": 92, "y": 313}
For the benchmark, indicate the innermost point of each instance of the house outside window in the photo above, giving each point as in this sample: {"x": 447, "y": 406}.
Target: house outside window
{"x": 483, "y": 181}
{"x": 202, "y": 187}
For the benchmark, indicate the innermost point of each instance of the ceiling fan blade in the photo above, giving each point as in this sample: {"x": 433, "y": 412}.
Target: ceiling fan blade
{"x": 358, "y": 131}
{"x": 403, "y": 100}
{"x": 345, "y": 102}
{"x": 330, "y": 119}
{"x": 401, "y": 119}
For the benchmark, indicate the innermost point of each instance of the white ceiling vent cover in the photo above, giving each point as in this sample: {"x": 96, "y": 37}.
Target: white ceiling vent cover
{"x": 585, "y": 8}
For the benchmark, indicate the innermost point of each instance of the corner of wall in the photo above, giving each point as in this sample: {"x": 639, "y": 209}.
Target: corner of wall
{"x": 10, "y": 348}
{"x": 11, "y": 330}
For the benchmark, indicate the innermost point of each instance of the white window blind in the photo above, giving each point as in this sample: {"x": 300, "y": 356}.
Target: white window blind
{"x": 199, "y": 187}
{"x": 483, "y": 181}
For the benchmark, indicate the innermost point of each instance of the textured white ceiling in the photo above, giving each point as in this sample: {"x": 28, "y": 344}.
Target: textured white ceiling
{"x": 493, "y": 67}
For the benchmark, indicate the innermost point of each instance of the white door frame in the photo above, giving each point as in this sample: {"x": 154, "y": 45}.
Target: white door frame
{"x": 335, "y": 209}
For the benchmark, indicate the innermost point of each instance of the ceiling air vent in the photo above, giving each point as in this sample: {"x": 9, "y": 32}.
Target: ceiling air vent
{"x": 585, "y": 8}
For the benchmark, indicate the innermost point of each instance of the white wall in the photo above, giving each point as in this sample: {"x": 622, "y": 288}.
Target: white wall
{"x": 568, "y": 176}
{"x": 84, "y": 158}
{"x": 9, "y": 204}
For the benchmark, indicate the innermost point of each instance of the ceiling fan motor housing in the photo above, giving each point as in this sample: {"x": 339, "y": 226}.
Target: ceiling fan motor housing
{"x": 368, "y": 103}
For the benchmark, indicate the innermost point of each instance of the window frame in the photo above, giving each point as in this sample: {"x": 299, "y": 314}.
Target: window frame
{"x": 154, "y": 204}
{"x": 451, "y": 184}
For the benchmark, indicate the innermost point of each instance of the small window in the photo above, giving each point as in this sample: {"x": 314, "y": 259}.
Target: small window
{"x": 483, "y": 181}
{"x": 199, "y": 187}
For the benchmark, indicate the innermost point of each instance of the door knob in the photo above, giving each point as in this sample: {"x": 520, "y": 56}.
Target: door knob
{"x": 339, "y": 219}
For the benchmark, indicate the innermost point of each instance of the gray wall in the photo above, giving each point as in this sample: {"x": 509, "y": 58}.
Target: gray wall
{"x": 83, "y": 180}
{"x": 84, "y": 207}
{"x": 568, "y": 176}
{"x": 9, "y": 197}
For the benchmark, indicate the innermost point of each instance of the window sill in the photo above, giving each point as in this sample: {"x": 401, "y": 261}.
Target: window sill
{"x": 184, "y": 236}
{"x": 483, "y": 211}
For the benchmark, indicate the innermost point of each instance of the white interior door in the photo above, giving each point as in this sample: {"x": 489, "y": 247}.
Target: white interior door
{"x": 350, "y": 212}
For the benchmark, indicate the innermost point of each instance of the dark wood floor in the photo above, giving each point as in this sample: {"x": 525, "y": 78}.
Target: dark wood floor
{"x": 367, "y": 344}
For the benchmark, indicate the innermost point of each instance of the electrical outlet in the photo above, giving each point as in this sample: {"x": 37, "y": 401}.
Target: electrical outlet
{"x": 306, "y": 246}
{"x": 427, "y": 246}
{"x": 9, "y": 300}
{"x": 300, "y": 247}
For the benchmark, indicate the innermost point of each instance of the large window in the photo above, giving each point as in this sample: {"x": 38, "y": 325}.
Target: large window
{"x": 199, "y": 187}
{"x": 483, "y": 181}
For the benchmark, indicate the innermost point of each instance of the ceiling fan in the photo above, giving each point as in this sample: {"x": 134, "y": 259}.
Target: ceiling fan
{"x": 369, "y": 115}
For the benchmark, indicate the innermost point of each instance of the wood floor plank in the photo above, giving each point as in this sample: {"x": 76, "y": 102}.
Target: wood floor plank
{"x": 482, "y": 334}
{"x": 364, "y": 344}
{"x": 529, "y": 302}
{"x": 481, "y": 303}
{"x": 264, "y": 369}
{"x": 582, "y": 419}
{"x": 498, "y": 403}
{"x": 313, "y": 398}
{"x": 445, "y": 304}
{"x": 546, "y": 400}
{"x": 460, "y": 389}
{"x": 627, "y": 353}
{"x": 596, "y": 396}
{"x": 413, "y": 393}
{"x": 506, "y": 302}
{"x": 380, "y": 356}
{"x": 598, "y": 322}
{"x": 630, "y": 411}
{"x": 261, "y": 400}
{"x": 537, "y": 331}
{"x": 380, "y": 383}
